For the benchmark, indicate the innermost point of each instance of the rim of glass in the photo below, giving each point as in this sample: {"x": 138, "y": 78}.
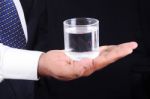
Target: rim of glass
{"x": 66, "y": 24}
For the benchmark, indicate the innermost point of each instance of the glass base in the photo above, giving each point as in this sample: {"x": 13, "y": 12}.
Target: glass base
{"x": 81, "y": 55}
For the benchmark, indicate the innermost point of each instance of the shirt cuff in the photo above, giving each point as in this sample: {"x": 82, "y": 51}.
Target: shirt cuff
{"x": 20, "y": 64}
{"x": 1, "y": 78}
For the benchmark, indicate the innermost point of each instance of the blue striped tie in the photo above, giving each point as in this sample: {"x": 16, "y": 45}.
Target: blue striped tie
{"x": 11, "y": 31}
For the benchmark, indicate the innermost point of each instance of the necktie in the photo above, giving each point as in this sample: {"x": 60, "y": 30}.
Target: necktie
{"x": 11, "y": 31}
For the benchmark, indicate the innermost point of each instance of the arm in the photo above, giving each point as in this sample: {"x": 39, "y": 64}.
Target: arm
{"x": 56, "y": 64}
{"x": 24, "y": 64}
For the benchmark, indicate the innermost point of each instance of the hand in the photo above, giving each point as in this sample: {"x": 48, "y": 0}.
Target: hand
{"x": 56, "y": 64}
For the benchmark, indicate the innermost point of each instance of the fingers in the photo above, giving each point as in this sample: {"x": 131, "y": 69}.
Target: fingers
{"x": 130, "y": 45}
{"x": 110, "y": 54}
{"x": 124, "y": 49}
{"x": 121, "y": 50}
{"x": 127, "y": 48}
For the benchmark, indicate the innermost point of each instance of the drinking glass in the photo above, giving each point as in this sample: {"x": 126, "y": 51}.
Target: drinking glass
{"x": 81, "y": 38}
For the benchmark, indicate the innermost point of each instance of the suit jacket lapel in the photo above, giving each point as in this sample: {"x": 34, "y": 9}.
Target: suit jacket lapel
{"x": 27, "y": 6}
{"x": 33, "y": 9}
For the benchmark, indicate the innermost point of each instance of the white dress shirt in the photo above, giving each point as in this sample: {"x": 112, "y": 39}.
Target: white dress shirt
{"x": 17, "y": 63}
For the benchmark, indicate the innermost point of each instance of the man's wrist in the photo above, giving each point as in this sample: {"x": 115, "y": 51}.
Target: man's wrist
{"x": 40, "y": 69}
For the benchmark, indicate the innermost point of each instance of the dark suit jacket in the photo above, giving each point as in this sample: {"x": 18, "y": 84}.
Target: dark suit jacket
{"x": 120, "y": 21}
{"x": 34, "y": 14}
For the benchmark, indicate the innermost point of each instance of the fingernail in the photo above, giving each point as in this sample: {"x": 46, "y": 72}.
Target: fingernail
{"x": 134, "y": 45}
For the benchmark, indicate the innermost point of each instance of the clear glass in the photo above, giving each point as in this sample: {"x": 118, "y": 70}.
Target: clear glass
{"x": 81, "y": 38}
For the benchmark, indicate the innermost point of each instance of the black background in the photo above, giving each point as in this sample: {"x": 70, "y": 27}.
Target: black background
{"x": 120, "y": 21}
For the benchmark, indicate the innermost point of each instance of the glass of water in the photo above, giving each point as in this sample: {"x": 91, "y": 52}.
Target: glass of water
{"x": 81, "y": 38}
